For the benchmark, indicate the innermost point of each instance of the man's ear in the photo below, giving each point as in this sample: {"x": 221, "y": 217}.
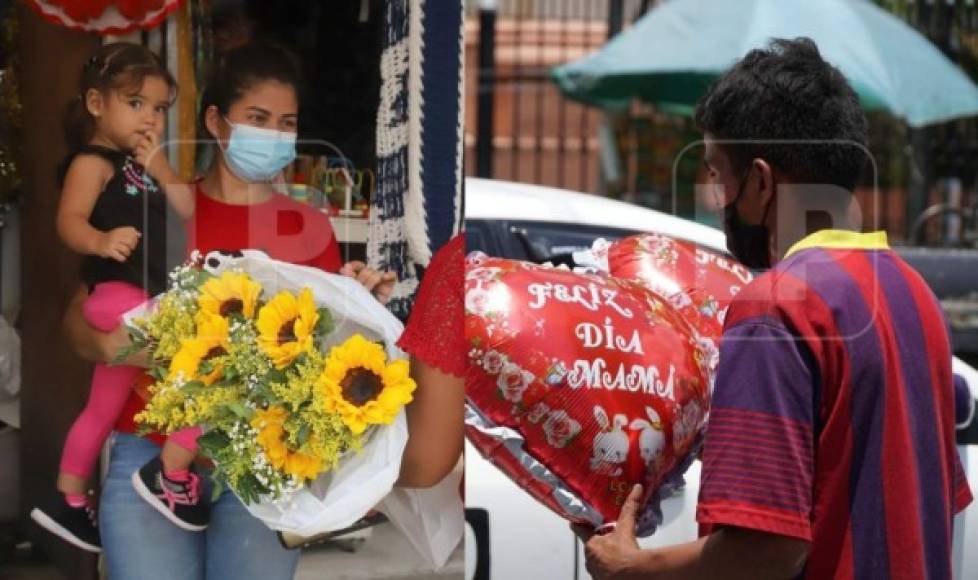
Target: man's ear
{"x": 94, "y": 102}
{"x": 765, "y": 181}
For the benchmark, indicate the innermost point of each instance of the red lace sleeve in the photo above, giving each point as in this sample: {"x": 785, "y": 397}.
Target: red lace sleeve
{"x": 434, "y": 333}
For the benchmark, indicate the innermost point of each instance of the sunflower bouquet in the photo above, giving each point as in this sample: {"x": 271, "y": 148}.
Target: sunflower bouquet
{"x": 276, "y": 365}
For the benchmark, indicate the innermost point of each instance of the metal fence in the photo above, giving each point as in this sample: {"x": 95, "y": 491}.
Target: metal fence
{"x": 518, "y": 125}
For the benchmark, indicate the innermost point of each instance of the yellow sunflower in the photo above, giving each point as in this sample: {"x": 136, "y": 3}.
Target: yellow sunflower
{"x": 271, "y": 436}
{"x": 231, "y": 292}
{"x": 360, "y": 385}
{"x": 210, "y": 342}
{"x": 285, "y": 326}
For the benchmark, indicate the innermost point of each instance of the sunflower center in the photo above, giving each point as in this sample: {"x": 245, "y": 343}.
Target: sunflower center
{"x": 232, "y": 306}
{"x": 215, "y": 352}
{"x": 361, "y": 386}
{"x": 287, "y": 332}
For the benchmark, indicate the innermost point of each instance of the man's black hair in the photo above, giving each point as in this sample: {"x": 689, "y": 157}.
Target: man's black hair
{"x": 788, "y": 92}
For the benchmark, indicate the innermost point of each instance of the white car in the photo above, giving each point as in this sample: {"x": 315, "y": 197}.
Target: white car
{"x": 509, "y": 535}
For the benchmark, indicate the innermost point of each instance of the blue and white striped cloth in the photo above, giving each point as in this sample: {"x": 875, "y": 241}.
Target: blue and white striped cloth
{"x": 417, "y": 205}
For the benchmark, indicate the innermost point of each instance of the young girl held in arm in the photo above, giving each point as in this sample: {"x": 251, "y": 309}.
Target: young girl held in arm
{"x": 116, "y": 184}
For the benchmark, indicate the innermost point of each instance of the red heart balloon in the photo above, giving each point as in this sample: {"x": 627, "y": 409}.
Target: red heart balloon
{"x": 697, "y": 282}
{"x": 579, "y": 386}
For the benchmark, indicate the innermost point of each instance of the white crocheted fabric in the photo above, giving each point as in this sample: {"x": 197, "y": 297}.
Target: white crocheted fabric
{"x": 417, "y": 205}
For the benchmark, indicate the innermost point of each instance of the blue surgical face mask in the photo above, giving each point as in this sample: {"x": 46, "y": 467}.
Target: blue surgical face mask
{"x": 258, "y": 154}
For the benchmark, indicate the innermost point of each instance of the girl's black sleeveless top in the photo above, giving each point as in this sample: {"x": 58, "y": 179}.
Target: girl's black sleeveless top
{"x": 130, "y": 198}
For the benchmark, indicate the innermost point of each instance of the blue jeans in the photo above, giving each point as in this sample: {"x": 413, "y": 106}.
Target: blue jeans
{"x": 140, "y": 544}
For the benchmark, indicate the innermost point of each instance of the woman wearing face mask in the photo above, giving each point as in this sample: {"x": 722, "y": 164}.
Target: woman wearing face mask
{"x": 250, "y": 109}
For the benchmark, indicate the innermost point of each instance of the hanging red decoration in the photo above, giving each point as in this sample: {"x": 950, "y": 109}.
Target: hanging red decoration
{"x": 105, "y": 16}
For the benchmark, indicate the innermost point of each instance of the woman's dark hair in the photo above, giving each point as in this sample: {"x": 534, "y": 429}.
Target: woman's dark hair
{"x": 241, "y": 68}
{"x": 115, "y": 66}
{"x": 783, "y": 93}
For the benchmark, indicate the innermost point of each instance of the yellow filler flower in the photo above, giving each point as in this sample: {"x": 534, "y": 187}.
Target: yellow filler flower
{"x": 285, "y": 326}
{"x": 230, "y": 293}
{"x": 360, "y": 385}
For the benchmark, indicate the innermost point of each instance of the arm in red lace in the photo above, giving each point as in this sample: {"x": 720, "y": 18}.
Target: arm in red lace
{"x": 434, "y": 332}
{"x": 434, "y": 338}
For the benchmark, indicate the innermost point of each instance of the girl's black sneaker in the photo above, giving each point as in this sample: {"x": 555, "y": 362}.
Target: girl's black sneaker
{"x": 76, "y": 525}
{"x": 178, "y": 501}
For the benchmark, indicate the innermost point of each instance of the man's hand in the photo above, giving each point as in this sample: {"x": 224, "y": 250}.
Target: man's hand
{"x": 380, "y": 284}
{"x": 612, "y": 555}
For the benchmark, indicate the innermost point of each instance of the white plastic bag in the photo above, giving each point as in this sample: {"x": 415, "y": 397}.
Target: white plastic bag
{"x": 431, "y": 519}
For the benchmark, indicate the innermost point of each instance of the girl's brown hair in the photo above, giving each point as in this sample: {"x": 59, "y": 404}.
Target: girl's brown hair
{"x": 114, "y": 66}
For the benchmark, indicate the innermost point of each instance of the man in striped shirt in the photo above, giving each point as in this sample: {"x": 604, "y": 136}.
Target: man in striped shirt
{"x": 829, "y": 451}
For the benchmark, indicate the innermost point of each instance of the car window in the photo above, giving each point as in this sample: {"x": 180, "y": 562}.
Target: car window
{"x": 478, "y": 237}
{"x": 536, "y": 241}
{"x": 543, "y": 241}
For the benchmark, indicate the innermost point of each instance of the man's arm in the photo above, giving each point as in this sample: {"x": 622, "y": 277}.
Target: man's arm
{"x": 727, "y": 554}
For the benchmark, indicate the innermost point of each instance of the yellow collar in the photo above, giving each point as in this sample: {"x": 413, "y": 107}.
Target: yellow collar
{"x": 841, "y": 239}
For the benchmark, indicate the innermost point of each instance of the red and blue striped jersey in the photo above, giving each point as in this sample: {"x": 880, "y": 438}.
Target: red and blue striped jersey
{"x": 833, "y": 414}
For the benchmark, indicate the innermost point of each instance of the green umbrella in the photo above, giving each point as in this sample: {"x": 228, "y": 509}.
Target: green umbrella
{"x": 672, "y": 54}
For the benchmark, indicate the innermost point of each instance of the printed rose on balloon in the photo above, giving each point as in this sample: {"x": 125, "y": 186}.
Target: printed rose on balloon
{"x": 603, "y": 383}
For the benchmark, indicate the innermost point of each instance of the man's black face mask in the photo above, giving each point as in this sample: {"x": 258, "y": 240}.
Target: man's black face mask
{"x": 748, "y": 243}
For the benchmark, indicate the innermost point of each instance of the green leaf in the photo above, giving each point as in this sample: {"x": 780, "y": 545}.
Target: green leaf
{"x": 127, "y": 352}
{"x": 325, "y": 325}
{"x": 213, "y": 441}
{"x": 276, "y": 376}
{"x": 230, "y": 373}
{"x": 205, "y": 368}
{"x": 304, "y": 433}
{"x": 250, "y": 488}
{"x": 136, "y": 334}
{"x": 220, "y": 413}
{"x": 193, "y": 387}
{"x": 199, "y": 277}
{"x": 241, "y": 411}
{"x": 217, "y": 489}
